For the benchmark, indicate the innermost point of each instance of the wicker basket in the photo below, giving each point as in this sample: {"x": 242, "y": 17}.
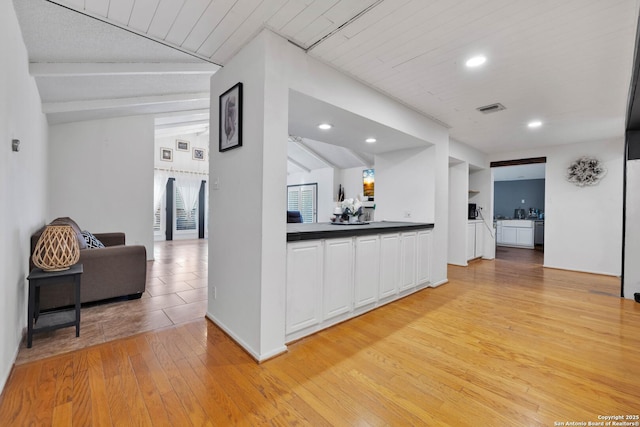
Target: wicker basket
{"x": 57, "y": 249}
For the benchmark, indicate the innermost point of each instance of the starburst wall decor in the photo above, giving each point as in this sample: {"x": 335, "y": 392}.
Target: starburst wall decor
{"x": 586, "y": 171}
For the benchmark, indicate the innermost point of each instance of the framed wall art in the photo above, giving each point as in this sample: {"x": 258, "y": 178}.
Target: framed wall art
{"x": 230, "y": 129}
{"x": 166, "y": 154}
{"x": 198, "y": 153}
{"x": 182, "y": 145}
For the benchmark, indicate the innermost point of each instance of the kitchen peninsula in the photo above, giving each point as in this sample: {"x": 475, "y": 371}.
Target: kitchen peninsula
{"x": 335, "y": 272}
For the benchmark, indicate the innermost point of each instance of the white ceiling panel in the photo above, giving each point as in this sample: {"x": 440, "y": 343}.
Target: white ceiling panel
{"x": 207, "y": 23}
{"x": 187, "y": 19}
{"x": 99, "y": 7}
{"x": 567, "y": 63}
{"x": 241, "y": 10}
{"x": 349, "y": 130}
{"x": 142, "y": 14}
{"x": 246, "y": 31}
{"x": 306, "y": 17}
{"x": 163, "y": 18}
{"x": 120, "y": 11}
{"x": 286, "y": 13}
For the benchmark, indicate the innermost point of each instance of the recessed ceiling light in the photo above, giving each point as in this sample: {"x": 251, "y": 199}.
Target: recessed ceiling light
{"x": 325, "y": 126}
{"x": 370, "y": 140}
{"x": 535, "y": 124}
{"x": 476, "y": 61}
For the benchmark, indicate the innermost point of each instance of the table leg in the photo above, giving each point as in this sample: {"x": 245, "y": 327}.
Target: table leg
{"x": 32, "y": 302}
{"x": 76, "y": 282}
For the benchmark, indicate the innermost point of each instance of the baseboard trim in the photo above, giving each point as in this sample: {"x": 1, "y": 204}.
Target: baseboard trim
{"x": 441, "y": 282}
{"x": 246, "y": 347}
{"x": 599, "y": 273}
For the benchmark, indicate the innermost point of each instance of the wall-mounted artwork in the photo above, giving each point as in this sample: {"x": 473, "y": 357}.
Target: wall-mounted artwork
{"x": 182, "y": 145}
{"x": 586, "y": 171}
{"x": 230, "y": 128}
{"x": 166, "y": 154}
{"x": 198, "y": 153}
{"x": 368, "y": 182}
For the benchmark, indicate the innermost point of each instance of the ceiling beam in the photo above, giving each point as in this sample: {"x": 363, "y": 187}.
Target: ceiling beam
{"x": 298, "y": 164}
{"x": 187, "y": 123}
{"x": 104, "y": 104}
{"x": 63, "y": 69}
{"x": 358, "y": 157}
{"x": 300, "y": 143}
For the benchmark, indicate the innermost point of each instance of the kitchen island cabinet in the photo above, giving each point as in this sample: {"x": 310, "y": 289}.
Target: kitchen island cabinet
{"x": 338, "y": 275}
{"x": 515, "y": 233}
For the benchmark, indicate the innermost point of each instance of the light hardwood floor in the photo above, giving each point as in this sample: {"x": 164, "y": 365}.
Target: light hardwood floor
{"x": 504, "y": 343}
{"x": 176, "y": 292}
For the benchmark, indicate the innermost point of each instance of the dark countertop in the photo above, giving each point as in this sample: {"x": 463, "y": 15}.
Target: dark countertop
{"x": 328, "y": 230}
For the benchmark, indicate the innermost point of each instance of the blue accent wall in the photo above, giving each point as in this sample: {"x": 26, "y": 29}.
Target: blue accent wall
{"x": 508, "y": 196}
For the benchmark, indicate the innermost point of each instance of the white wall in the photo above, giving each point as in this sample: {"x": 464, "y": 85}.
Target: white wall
{"x": 247, "y": 245}
{"x": 101, "y": 175}
{"x": 22, "y": 183}
{"x": 351, "y": 180}
{"x": 583, "y": 226}
{"x": 183, "y": 160}
{"x": 481, "y": 181}
{"x": 632, "y": 242}
{"x": 326, "y": 197}
{"x": 458, "y": 213}
{"x": 247, "y": 250}
{"x": 405, "y": 185}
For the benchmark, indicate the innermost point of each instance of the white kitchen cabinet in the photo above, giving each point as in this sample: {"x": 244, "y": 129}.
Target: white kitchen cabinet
{"x": 471, "y": 241}
{"x": 389, "y": 264}
{"x": 331, "y": 280}
{"x": 304, "y": 285}
{"x": 475, "y": 239}
{"x": 517, "y": 233}
{"x": 409, "y": 257}
{"x": 337, "y": 277}
{"x": 367, "y": 270}
{"x": 524, "y": 236}
{"x": 424, "y": 257}
{"x": 509, "y": 235}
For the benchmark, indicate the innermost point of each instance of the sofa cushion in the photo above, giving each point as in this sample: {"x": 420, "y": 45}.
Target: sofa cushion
{"x": 91, "y": 240}
{"x": 68, "y": 221}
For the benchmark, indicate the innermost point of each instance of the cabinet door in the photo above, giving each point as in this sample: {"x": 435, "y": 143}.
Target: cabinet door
{"x": 424, "y": 257}
{"x": 367, "y": 274}
{"x": 338, "y": 277}
{"x": 409, "y": 258}
{"x": 509, "y": 235}
{"x": 524, "y": 236}
{"x": 479, "y": 246}
{"x": 389, "y": 264}
{"x": 471, "y": 241}
{"x": 304, "y": 285}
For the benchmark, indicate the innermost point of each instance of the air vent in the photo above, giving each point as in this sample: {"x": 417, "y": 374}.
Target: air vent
{"x": 491, "y": 108}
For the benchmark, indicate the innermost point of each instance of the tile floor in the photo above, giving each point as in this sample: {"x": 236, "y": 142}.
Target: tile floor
{"x": 176, "y": 292}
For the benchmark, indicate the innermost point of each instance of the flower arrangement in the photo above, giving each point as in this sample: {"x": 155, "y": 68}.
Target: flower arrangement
{"x": 351, "y": 207}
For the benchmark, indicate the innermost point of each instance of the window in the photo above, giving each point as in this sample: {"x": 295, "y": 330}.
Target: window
{"x": 185, "y": 220}
{"x": 303, "y": 198}
{"x": 157, "y": 215}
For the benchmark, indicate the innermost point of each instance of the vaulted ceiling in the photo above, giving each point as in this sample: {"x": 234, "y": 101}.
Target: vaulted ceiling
{"x": 565, "y": 63}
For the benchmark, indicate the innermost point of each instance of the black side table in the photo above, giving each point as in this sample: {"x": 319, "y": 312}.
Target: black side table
{"x": 58, "y": 319}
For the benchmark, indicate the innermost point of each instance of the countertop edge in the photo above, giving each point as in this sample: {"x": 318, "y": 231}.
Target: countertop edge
{"x": 356, "y": 230}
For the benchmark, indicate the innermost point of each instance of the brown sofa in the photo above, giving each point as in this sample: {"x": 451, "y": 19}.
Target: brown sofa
{"x": 113, "y": 271}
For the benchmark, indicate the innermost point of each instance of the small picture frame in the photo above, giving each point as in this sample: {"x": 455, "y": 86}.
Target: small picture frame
{"x": 182, "y": 145}
{"x": 166, "y": 154}
{"x": 198, "y": 153}
{"x": 230, "y": 115}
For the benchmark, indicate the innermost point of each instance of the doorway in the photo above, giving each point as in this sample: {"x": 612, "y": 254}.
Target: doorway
{"x": 519, "y": 209}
